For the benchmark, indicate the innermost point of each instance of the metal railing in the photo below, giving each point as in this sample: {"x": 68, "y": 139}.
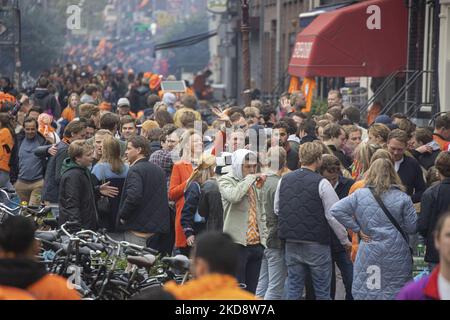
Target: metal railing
{"x": 380, "y": 89}
{"x": 411, "y": 81}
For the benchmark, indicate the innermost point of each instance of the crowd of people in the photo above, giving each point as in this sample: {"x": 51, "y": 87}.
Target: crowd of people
{"x": 286, "y": 204}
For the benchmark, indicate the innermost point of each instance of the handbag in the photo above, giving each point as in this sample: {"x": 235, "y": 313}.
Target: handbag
{"x": 392, "y": 219}
{"x": 197, "y": 217}
{"x": 103, "y": 204}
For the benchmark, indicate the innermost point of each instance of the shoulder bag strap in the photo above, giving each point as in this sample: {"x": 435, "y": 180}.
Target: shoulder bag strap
{"x": 390, "y": 217}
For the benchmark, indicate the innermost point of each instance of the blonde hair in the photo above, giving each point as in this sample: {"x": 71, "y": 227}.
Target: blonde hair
{"x": 185, "y": 140}
{"x": 250, "y": 111}
{"x": 204, "y": 171}
{"x": 379, "y": 130}
{"x": 351, "y": 128}
{"x": 111, "y": 154}
{"x": 78, "y": 148}
{"x": 382, "y": 176}
{"x": 310, "y": 152}
{"x": 73, "y": 94}
{"x": 103, "y": 132}
{"x": 363, "y": 154}
{"x": 382, "y": 154}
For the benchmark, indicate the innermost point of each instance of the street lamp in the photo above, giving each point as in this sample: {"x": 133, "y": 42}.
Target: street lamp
{"x": 245, "y": 31}
{"x": 18, "y": 45}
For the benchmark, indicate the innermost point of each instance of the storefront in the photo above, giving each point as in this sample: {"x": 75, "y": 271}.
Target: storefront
{"x": 374, "y": 41}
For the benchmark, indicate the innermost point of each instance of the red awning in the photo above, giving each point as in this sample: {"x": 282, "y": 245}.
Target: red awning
{"x": 340, "y": 43}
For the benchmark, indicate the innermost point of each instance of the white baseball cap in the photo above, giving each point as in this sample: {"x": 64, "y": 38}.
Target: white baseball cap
{"x": 123, "y": 102}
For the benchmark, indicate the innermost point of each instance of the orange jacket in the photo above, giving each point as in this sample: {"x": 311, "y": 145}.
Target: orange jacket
{"x": 30, "y": 277}
{"x": 209, "y": 287}
{"x": 49, "y": 287}
{"x": 181, "y": 172}
{"x": 11, "y": 293}
{"x": 6, "y": 146}
{"x": 53, "y": 287}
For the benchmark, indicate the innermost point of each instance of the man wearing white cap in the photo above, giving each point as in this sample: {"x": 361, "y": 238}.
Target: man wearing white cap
{"x": 124, "y": 107}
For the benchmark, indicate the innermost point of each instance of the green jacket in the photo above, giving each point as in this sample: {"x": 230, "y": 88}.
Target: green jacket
{"x": 236, "y": 206}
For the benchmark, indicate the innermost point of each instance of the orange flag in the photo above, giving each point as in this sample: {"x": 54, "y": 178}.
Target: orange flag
{"x": 308, "y": 86}
{"x": 143, "y": 3}
{"x": 294, "y": 84}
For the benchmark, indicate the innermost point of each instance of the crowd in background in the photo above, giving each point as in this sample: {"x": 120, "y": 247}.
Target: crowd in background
{"x": 313, "y": 203}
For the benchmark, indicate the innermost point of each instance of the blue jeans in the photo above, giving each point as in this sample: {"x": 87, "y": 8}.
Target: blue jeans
{"x": 4, "y": 180}
{"x": 314, "y": 257}
{"x": 345, "y": 265}
{"x": 272, "y": 276}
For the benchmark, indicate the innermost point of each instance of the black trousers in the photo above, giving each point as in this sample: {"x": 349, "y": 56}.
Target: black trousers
{"x": 250, "y": 258}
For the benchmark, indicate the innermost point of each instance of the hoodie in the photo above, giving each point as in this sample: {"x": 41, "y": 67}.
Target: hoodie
{"x": 237, "y": 160}
{"x": 169, "y": 99}
{"x": 47, "y": 102}
{"x": 234, "y": 189}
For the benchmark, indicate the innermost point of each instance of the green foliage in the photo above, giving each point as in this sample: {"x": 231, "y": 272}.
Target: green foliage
{"x": 157, "y": 266}
{"x": 319, "y": 107}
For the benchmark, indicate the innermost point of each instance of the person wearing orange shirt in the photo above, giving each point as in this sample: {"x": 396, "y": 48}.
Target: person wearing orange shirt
{"x": 20, "y": 271}
{"x": 442, "y": 132}
{"x": 6, "y": 146}
{"x": 214, "y": 271}
{"x": 69, "y": 113}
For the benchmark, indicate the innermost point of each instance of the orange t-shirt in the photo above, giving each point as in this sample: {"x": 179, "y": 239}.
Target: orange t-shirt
{"x": 6, "y": 146}
{"x": 53, "y": 287}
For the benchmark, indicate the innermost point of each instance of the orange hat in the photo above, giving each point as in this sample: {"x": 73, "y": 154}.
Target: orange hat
{"x": 155, "y": 81}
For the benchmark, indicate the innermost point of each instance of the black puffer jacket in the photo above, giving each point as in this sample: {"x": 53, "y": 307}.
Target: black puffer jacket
{"x": 53, "y": 173}
{"x": 78, "y": 192}
{"x": 144, "y": 205}
{"x": 47, "y": 102}
{"x": 210, "y": 205}
{"x": 435, "y": 202}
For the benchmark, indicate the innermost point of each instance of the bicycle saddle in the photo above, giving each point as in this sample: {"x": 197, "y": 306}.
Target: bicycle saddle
{"x": 145, "y": 261}
{"x": 46, "y": 235}
{"x": 51, "y": 222}
{"x": 178, "y": 262}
